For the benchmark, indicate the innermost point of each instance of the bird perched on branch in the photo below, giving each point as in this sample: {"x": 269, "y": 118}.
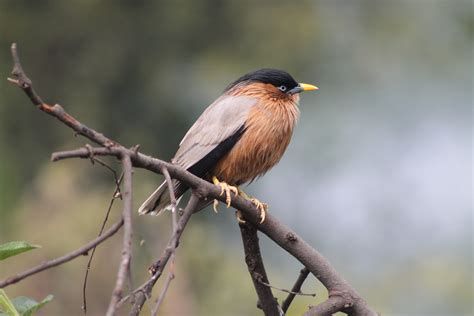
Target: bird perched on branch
{"x": 238, "y": 138}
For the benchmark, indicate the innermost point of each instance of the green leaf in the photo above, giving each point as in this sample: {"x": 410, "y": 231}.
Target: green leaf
{"x": 26, "y": 306}
{"x": 14, "y": 248}
{"x": 6, "y": 306}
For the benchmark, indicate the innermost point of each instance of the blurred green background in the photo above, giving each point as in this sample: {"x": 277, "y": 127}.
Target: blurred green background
{"x": 377, "y": 177}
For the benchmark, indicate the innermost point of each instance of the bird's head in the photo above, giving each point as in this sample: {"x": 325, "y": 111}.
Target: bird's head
{"x": 278, "y": 81}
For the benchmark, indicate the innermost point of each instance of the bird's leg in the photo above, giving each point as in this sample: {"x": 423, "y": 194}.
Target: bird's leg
{"x": 262, "y": 207}
{"x": 224, "y": 188}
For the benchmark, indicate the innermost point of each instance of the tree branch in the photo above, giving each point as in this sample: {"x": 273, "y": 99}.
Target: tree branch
{"x": 55, "y": 262}
{"x": 253, "y": 259}
{"x": 275, "y": 230}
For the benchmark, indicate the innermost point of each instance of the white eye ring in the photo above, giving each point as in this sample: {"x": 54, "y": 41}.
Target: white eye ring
{"x": 282, "y": 88}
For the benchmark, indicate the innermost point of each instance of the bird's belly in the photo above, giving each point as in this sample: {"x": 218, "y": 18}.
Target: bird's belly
{"x": 261, "y": 146}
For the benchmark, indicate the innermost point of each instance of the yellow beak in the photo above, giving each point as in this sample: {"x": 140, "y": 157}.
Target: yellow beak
{"x": 308, "y": 87}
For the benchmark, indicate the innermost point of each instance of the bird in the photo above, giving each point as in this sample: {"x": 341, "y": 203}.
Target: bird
{"x": 238, "y": 138}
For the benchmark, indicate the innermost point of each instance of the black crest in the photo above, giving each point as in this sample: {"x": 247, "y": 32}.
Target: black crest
{"x": 267, "y": 75}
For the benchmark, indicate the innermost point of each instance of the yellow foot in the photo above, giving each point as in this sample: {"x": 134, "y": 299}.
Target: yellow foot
{"x": 262, "y": 207}
{"x": 225, "y": 188}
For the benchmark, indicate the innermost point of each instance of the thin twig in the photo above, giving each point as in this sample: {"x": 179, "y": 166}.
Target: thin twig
{"x": 174, "y": 222}
{"x": 125, "y": 262}
{"x": 21, "y": 79}
{"x": 144, "y": 291}
{"x": 253, "y": 259}
{"x": 68, "y": 257}
{"x": 117, "y": 179}
{"x": 285, "y": 290}
{"x": 170, "y": 184}
{"x": 89, "y": 262}
{"x": 162, "y": 295}
{"x": 295, "y": 290}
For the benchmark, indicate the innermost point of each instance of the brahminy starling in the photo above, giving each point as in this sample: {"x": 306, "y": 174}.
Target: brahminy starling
{"x": 238, "y": 138}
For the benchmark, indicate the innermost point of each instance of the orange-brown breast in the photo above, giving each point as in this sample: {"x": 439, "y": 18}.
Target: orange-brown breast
{"x": 269, "y": 128}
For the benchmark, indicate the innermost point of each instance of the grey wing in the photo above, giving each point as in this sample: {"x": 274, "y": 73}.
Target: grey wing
{"x": 218, "y": 122}
{"x": 213, "y": 134}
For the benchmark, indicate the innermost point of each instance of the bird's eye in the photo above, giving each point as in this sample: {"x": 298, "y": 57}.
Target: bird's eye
{"x": 282, "y": 88}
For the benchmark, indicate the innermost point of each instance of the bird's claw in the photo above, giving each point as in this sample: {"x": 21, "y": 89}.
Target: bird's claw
{"x": 214, "y": 205}
{"x": 262, "y": 207}
{"x": 240, "y": 217}
{"x": 227, "y": 189}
